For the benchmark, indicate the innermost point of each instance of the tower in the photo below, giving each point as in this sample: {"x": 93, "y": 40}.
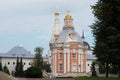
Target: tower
{"x": 57, "y": 24}
{"x": 56, "y": 29}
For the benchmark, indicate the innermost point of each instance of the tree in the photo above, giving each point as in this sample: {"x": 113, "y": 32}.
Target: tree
{"x": 19, "y": 68}
{"x": 38, "y": 62}
{"x": 106, "y": 31}
{"x": 0, "y": 66}
{"x": 93, "y": 70}
{"x": 113, "y": 69}
{"x": 36, "y": 70}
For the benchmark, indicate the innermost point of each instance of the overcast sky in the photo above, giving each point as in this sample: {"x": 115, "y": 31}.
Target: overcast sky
{"x": 30, "y": 22}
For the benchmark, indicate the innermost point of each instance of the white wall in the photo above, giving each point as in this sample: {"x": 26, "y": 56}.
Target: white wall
{"x": 11, "y": 63}
{"x": 88, "y": 65}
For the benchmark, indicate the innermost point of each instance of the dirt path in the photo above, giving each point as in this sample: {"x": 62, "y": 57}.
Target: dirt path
{"x": 45, "y": 79}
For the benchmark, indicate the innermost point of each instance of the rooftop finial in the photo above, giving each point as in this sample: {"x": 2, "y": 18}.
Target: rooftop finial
{"x": 68, "y": 15}
{"x": 83, "y": 34}
{"x": 57, "y": 12}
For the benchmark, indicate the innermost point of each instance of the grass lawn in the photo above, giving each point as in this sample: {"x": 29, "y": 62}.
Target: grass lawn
{"x": 95, "y": 78}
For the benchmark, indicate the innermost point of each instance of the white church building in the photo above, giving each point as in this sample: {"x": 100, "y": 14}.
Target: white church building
{"x": 69, "y": 54}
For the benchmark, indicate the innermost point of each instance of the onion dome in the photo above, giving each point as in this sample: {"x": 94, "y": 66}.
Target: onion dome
{"x": 57, "y": 12}
{"x": 68, "y": 16}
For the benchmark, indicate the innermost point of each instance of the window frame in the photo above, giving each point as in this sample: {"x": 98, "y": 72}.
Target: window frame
{"x": 73, "y": 55}
{"x": 60, "y": 55}
{"x": 60, "y": 67}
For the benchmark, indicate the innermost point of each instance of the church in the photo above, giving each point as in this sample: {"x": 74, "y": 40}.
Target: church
{"x": 69, "y": 54}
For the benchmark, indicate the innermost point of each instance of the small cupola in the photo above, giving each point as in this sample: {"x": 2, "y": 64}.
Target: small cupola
{"x": 68, "y": 21}
{"x": 68, "y": 15}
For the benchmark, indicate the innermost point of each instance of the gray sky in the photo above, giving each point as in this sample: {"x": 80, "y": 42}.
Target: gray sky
{"x": 30, "y": 22}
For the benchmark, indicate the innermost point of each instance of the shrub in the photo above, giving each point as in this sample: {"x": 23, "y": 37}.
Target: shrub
{"x": 5, "y": 69}
{"x": 33, "y": 72}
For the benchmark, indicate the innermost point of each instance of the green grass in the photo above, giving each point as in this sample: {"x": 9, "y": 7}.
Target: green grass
{"x": 95, "y": 78}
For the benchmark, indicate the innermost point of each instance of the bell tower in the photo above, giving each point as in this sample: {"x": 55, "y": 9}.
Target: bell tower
{"x": 56, "y": 25}
{"x": 56, "y": 29}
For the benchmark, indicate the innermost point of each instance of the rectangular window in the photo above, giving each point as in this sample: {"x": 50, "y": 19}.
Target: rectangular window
{"x": 73, "y": 55}
{"x": 60, "y": 67}
{"x": 60, "y": 55}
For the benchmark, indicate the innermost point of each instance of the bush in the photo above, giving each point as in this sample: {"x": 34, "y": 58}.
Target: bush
{"x": 33, "y": 72}
{"x": 114, "y": 69}
{"x": 46, "y": 67}
{"x": 5, "y": 69}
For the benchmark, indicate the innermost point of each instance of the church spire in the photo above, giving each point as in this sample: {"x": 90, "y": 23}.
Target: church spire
{"x": 83, "y": 34}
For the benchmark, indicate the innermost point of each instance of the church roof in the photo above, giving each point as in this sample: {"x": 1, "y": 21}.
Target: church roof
{"x": 63, "y": 36}
{"x": 86, "y": 44}
{"x": 90, "y": 57}
{"x": 17, "y": 51}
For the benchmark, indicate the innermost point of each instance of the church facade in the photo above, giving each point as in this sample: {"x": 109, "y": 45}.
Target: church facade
{"x": 69, "y": 53}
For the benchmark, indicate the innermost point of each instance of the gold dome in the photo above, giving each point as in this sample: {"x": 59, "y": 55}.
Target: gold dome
{"x": 68, "y": 16}
{"x": 57, "y": 12}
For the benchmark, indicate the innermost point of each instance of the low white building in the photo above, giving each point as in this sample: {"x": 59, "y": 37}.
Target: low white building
{"x": 9, "y": 59}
